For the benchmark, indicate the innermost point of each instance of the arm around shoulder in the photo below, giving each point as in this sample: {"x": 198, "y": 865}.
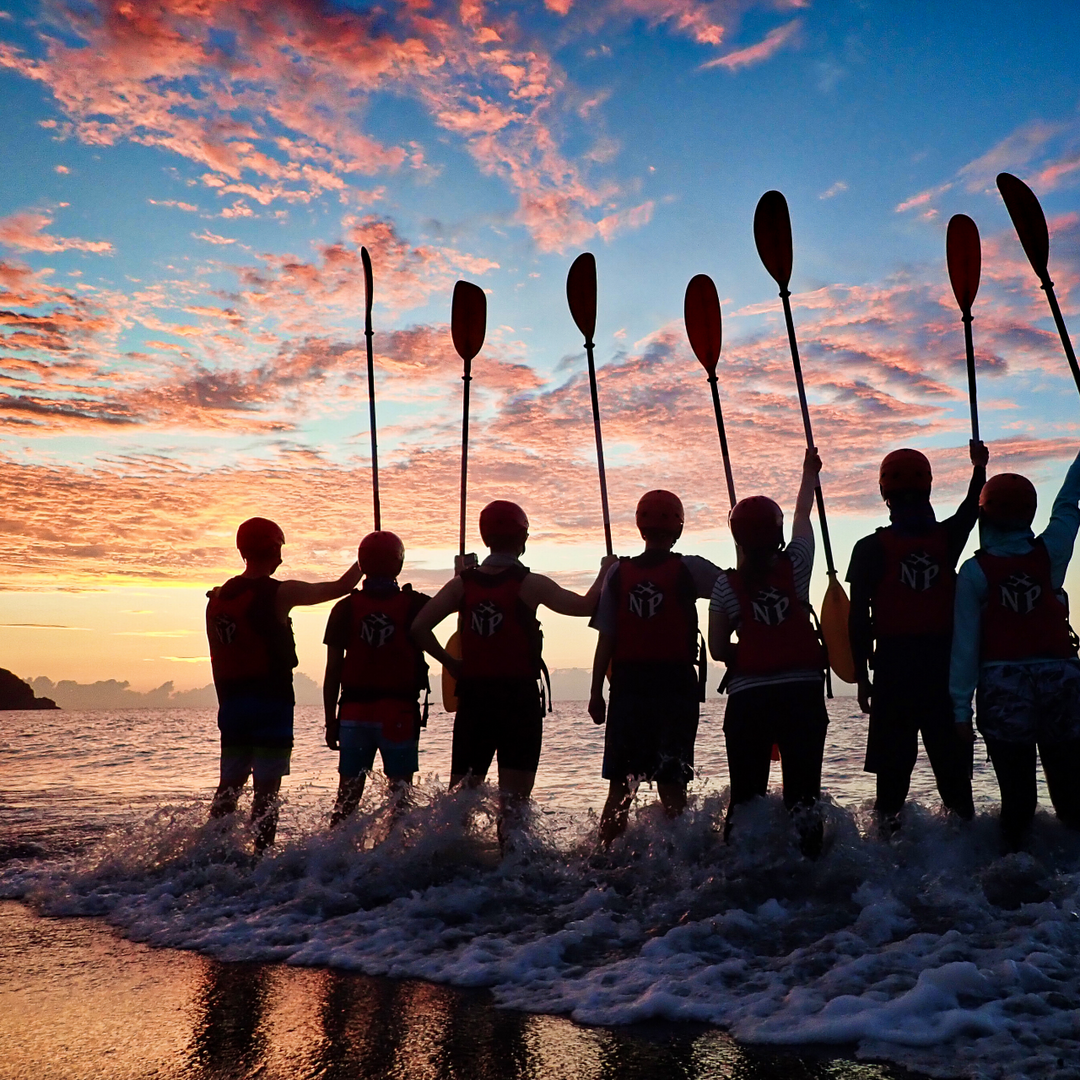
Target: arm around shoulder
{"x": 306, "y": 593}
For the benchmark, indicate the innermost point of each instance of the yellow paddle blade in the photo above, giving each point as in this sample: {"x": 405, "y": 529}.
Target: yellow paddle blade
{"x": 834, "y": 628}
{"x": 449, "y": 683}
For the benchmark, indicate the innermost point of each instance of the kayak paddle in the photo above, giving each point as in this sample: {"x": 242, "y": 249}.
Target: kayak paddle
{"x": 701, "y": 314}
{"x": 963, "y": 254}
{"x": 581, "y": 296}
{"x": 365, "y": 258}
{"x": 772, "y": 235}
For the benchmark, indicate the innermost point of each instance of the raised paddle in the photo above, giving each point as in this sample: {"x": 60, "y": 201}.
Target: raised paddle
{"x": 1030, "y": 222}
{"x": 468, "y": 325}
{"x": 772, "y": 234}
{"x": 581, "y": 296}
{"x": 963, "y": 254}
{"x": 701, "y": 313}
{"x": 365, "y": 258}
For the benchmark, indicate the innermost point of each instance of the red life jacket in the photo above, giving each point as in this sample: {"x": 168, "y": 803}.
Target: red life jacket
{"x": 251, "y": 652}
{"x": 656, "y": 619}
{"x": 915, "y": 594}
{"x": 381, "y": 660}
{"x": 500, "y": 635}
{"x": 1023, "y": 618}
{"x": 775, "y": 633}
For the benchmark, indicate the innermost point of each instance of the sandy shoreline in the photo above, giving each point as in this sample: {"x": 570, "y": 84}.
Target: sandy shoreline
{"x": 78, "y": 1001}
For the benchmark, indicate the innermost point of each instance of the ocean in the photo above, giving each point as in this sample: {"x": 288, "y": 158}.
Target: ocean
{"x": 672, "y": 955}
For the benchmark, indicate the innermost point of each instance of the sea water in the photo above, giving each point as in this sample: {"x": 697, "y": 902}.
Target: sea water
{"x": 930, "y": 950}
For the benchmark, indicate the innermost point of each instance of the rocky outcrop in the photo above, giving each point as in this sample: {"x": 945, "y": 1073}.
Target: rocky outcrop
{"x": 15, "y": 694}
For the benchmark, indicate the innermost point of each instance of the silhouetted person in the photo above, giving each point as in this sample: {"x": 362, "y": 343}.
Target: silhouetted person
{"x": 253, "y": 655}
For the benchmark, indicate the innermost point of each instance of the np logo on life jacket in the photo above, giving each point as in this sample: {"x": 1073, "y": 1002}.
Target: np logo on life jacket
{"x": 226, "y": 628}
{"x": 486, "y": 618}
{"x": 1020, "y": 593}
{"x": 376, "y": 629}
{"x": 918, "y": 571}
{"x": 645, "y": 599}
{"x": 770, "y": 607}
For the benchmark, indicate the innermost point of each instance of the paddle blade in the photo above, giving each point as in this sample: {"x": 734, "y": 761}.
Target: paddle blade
{"x": 772, "y": 234}
{"x": 581, "y": 293}
{"x": 701, "y": 313}
{"x": 1028, "y": 218}
{"x": 468, "y": 319}
{"x": 835, "y": 609}
{"x": 369, "y": 286}
{"x": 449, "y": 683}
{"x": 963, "y": 253}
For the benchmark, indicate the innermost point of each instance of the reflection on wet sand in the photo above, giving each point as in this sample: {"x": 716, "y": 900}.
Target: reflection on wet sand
{"x": 76, "y": 1001}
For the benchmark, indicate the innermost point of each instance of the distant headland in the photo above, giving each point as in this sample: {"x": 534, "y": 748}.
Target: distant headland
{"x": 15, "y": 694}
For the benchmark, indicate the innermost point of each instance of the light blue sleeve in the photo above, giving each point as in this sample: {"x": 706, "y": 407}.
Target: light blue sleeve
{"x": 971, "y": 592}
{"x": 1060, "y": 535}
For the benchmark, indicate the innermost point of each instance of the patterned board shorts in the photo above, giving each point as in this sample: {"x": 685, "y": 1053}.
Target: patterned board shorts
{"x": 389, "y": 726}
{"x": 1029, "y": 702}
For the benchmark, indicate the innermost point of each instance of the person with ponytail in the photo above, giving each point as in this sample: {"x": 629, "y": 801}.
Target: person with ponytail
{"x": 775, "y": 671}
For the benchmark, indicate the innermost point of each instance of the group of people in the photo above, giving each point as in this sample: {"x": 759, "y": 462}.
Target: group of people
{"x": 925, "y": 640}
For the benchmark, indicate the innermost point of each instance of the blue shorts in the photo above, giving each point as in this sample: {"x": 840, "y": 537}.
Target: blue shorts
{"x": 391, "y": 726}
{"x": 256, "y": 740}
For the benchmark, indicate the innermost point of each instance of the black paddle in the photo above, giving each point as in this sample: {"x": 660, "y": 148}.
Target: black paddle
{"x": 365, "y": 258}
{"x": 468, "y": 324}
{"x": 772, "y": 234}
{"x": 1030, "y": 222}
{"x": 581, "y": 296}
{"x": 701, "y": 314}
{"x": 963, "y": 254}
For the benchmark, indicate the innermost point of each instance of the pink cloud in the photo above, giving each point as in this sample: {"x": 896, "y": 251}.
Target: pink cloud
{"x": 25, "y": 231}
{"x": 771, "y": 44}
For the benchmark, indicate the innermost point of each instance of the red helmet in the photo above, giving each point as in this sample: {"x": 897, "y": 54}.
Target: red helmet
{"x": 904, "y": 470}
{"x": 757, "y": 522}
{"x": 503, "y": 524}
{"x": 1009, "y": 500}
{"x": 660, "y": 510}
{"x": 259, "y": 536}
{"x": 381, "y": 554}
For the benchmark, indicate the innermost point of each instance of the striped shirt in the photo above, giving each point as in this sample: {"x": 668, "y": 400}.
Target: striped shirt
{"x": 801, "y": 553}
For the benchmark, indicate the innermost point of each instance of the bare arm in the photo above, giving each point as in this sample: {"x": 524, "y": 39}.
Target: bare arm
{"x": 537, "y": 589}
{"x": 804, "y": 503}
{"x": 335, "y": 661}
{"x": 720, "y": 645}
{"x": 305, "y": 593}
{"x": 445, "y": 602}
{"x": 605, "y": 650}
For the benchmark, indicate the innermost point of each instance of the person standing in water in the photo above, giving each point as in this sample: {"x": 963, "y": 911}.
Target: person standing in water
{"x": 775, "y": 674}
{"x": 1014, "y": 649}
{"x": 500, "y": 708}
{"x": 372, "y": 661}
{"x": 252, "y": 655}
{"x": 647, "y": 619}
{"x": 903, "y": 582}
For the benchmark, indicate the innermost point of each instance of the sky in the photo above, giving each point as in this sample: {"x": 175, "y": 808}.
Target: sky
{"x": 186, "y": 186}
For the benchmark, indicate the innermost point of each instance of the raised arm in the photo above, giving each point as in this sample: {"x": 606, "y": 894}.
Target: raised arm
{"x": 804, "y": 503}
{"x": 305, "y": 593}
{"x": 537, "y": 589}
{"x": 444, "y": 603}
{"x": 959, "y": 526}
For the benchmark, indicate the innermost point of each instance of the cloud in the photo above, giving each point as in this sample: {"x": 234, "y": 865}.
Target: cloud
{"x": 834, "y": 190}
{"x": 771, "y": 44}
{"x": 213, "y": 238}
{"x": 25, "y": 231}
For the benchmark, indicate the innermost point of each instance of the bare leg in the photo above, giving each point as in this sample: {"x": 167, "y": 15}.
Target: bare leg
{"x": 613, "y": 820}
{"x": 515, "y": 787}
{"x": 264, "y": 812}
{"x": 673, "y": 798}
{"x": 350, "y": 791}
{"x": 225, "y": 800}
{"x": 400, "y": 795}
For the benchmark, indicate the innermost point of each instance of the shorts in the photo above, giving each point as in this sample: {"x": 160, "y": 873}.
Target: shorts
{"x": 256, "y": 740}
{"x": 650, "y": 736}
{"x": 497, "y": 716}
{"x": 390, "y": 725}
{"x": 1029, "y": 702}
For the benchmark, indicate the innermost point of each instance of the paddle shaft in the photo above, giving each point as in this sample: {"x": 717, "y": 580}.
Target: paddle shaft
{"x": 466, "y": 379}
{"x": 723, "y": 438}
{"x": 969, "y": 344}
{"x": 599, "y": 445}
{"x": 826, "y": 543}
{"x": 1063, "y": 330}
{"x": 368, "y": 333}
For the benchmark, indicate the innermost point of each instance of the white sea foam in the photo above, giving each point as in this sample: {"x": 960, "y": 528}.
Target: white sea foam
{"x": 930, "y": 951}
